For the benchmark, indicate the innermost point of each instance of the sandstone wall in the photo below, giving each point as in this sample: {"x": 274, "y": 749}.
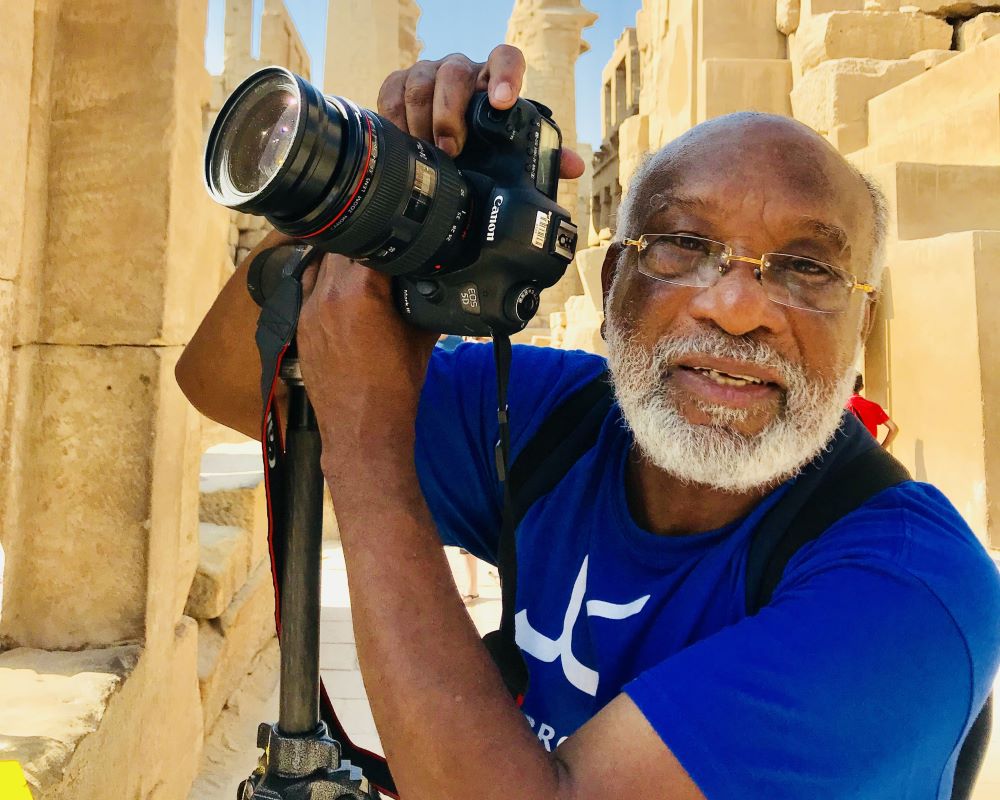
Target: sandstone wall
{"x": 112, "y": 255}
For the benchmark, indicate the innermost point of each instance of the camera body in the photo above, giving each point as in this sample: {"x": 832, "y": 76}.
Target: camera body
{"x": 470, "y": 242}
{"x": 518, "y": 241}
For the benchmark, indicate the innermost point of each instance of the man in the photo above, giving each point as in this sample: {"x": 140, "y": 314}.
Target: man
{"x": 647, "y": 678}
{"x": 871, "y": 414}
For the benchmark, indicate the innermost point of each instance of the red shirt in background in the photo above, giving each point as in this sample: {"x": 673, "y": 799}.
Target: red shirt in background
{"x": 870, "y": 413}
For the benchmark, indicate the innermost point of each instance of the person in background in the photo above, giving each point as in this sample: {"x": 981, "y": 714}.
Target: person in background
{"x": 871, "y": 413}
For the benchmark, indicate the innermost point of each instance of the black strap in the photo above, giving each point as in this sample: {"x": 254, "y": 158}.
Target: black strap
{"x": 973, "y": 753}
{"x": 564, "y": 437}
{"x": 852, "y": 470}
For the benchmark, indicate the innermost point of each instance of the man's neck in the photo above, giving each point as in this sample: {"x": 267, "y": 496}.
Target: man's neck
{"x": 663, "y": 504}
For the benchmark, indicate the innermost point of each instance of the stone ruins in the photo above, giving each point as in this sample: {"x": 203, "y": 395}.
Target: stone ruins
{"x": 135, "y": 596}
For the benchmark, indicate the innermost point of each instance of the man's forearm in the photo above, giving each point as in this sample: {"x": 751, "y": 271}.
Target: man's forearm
{"x": 448, "y": 725}
{"x": 219, "y": 370}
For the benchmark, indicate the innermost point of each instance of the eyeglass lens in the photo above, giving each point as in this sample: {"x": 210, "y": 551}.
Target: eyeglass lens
{"x": 787, "y": 279}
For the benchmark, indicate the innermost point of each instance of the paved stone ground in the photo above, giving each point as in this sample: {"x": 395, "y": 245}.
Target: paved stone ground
{"x": 231, "y": 752}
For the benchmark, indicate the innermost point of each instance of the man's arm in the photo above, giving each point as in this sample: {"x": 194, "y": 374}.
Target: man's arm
{"x": 219, "y": 370}
{"x": 448, "y": 724}
{"x": 893, "y": 430}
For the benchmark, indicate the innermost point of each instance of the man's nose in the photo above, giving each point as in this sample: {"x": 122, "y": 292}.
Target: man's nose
{"x": 738, "y": 303}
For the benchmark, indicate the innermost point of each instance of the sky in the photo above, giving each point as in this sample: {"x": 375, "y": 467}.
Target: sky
{"x": 472, "y": 27}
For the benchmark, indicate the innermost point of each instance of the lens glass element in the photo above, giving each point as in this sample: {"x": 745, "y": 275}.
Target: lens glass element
{"x": 257, "y": 137}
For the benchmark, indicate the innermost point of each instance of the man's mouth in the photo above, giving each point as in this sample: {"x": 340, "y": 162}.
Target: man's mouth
{"x": 732, "y": 385}
{"x": 728, "y": 378}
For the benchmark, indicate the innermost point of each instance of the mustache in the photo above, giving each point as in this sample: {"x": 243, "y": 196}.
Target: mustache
{"x": 716, "y": 344}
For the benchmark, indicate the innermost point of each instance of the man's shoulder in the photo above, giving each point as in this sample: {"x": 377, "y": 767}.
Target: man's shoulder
{"x": 461, "y": 386}
{"x": 913, "y": 534}
{"x": 910, "y": 524}
{"x": 526, "y": 358}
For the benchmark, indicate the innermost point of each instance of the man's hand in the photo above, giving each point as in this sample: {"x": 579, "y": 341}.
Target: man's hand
{"x": 363, "y": 365}
{"x": 429, "y": 99}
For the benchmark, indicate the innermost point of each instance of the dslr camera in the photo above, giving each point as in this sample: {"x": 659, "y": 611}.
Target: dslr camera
{"x": 470, "y": 242}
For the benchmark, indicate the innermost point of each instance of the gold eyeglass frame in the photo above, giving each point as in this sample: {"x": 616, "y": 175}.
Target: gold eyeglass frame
{"x": 761, "y": 263}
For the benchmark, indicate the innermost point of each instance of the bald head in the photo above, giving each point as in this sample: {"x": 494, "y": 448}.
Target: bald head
{"x": 717, "y": 159}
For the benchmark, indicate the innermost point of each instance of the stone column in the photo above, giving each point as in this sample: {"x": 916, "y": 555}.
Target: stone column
{"x": 365, "y": 41}
{"x": 280, "y": 42}
{"x": 119, "y": 260}
{"x": 548, "y": 32}
{"x": 239, "y": 32}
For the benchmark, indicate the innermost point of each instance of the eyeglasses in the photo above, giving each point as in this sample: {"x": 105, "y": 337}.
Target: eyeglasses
{"x": 794, "y": 281}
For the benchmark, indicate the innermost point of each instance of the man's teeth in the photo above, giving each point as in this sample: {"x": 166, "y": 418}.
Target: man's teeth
{"x": 727, "y": 379}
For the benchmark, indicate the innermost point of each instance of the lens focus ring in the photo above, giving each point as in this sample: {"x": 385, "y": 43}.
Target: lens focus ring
{"x": 451, "y": 197}
{"x": 381, "y": 202}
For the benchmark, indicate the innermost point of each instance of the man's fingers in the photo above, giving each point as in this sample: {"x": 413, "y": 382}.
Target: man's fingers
{"x": 456, "y": 81}
{"x": 570, "y": 164}
{"x": 391, "y": 104}
{"x": 505, "y": 71}
{"x": 419, "y": 99}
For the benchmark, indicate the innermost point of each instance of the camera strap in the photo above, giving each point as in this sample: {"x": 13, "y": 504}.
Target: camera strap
{"x": 501, "y": 643}
{"x": 275, "y": 341}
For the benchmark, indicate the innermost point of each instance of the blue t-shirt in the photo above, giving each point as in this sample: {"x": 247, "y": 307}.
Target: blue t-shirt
{"x": 859, "y": 680}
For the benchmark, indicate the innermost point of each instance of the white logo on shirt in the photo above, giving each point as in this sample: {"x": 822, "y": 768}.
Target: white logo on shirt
{"x": 548, "y": 650}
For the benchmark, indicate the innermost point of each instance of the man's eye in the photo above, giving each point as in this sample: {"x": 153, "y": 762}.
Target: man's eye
{"x": 805, "y": 266}
{"x": 691, "y": 243}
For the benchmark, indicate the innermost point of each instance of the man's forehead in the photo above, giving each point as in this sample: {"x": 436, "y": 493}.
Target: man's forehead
{"x": 747, "y": 151}
{"x": 795, "y": 178}
{"x": 815, "y": 220}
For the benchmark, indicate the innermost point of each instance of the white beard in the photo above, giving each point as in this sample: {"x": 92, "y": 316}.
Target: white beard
{"x": 715, "y": 455}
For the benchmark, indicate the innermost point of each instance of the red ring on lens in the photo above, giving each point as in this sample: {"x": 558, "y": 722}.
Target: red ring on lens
{"x": 361, "y": 180}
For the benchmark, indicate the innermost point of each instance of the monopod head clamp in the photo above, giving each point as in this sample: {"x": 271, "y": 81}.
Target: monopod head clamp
{"x": 300, "y": 760}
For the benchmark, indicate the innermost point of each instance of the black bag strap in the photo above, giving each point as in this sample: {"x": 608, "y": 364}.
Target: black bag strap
{"x": 564, "y": 436}
{"x": 853, "y": 470}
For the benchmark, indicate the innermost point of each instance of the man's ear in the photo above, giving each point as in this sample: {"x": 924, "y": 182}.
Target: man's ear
{"x": 608, "y": 270}
{"x": 868, "y": 323}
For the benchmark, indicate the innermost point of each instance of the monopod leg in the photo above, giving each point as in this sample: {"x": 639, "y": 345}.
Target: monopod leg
{"x": 300, "y": 760}
{"x": 300, "y": 598}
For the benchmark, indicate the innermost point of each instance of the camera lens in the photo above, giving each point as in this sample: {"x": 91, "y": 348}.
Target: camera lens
{"x": 257, "y": 135}
{"x": 336, "y": 175}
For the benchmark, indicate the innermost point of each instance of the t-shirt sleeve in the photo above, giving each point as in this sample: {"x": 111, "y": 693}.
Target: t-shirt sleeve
{"x": 457, "y": 431}
{"x": 858, "y": 681}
